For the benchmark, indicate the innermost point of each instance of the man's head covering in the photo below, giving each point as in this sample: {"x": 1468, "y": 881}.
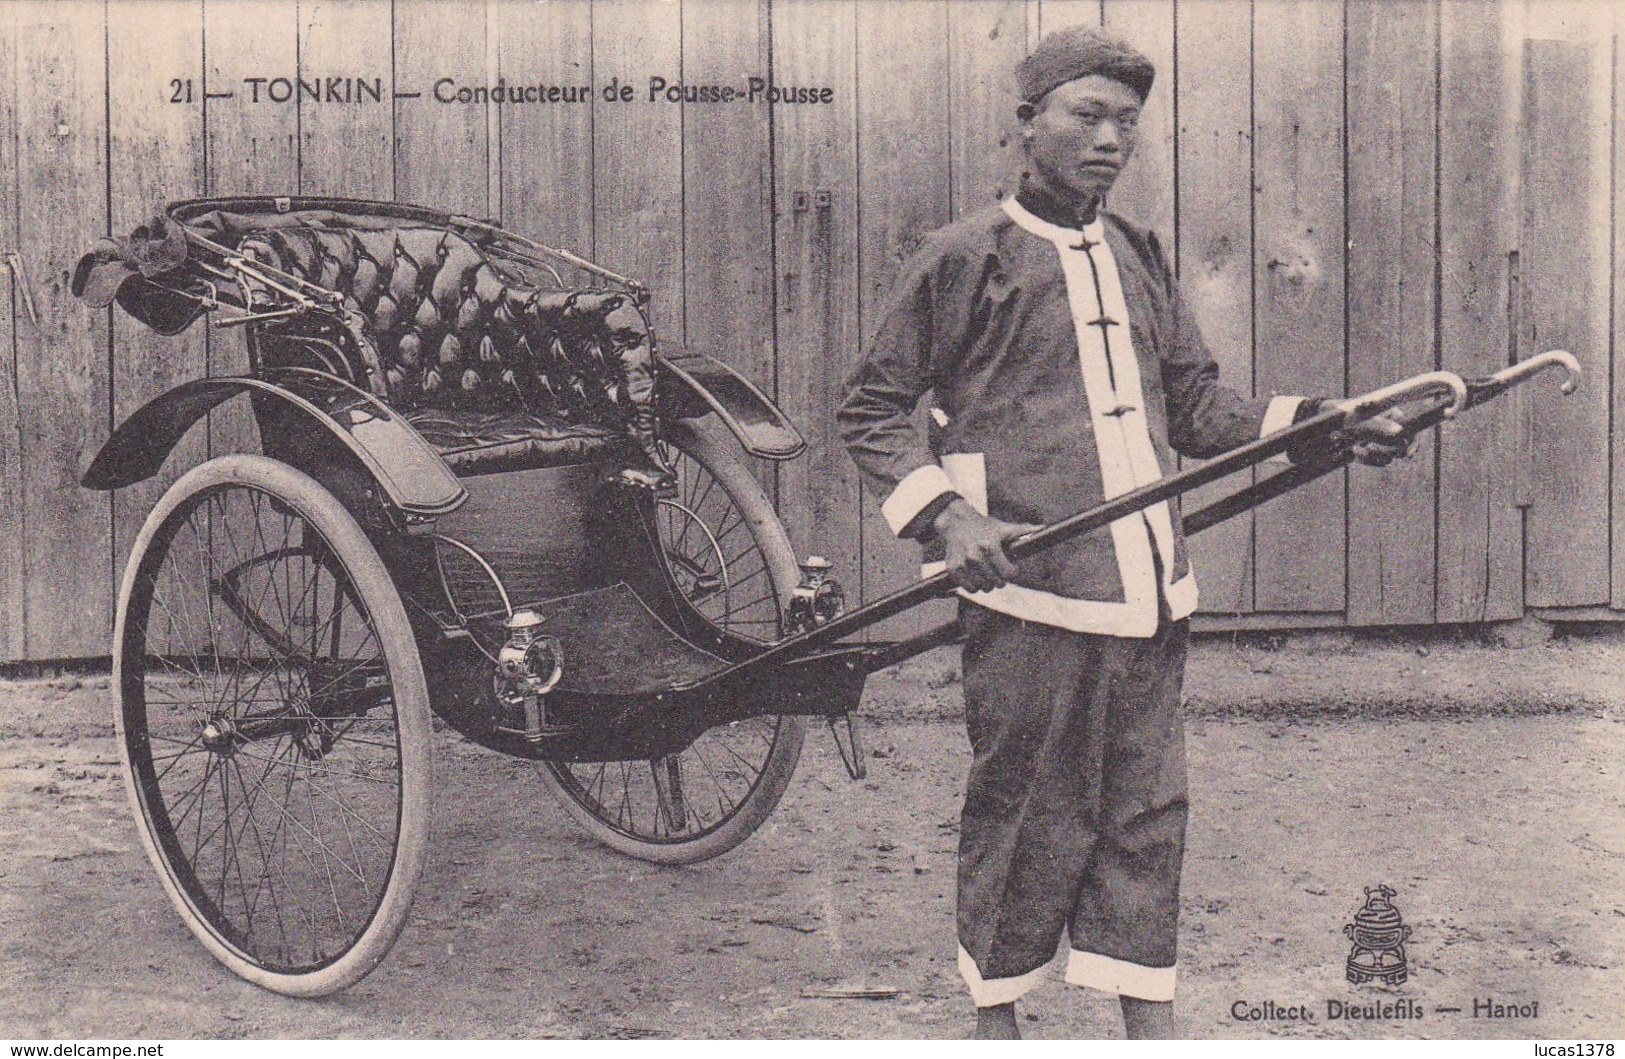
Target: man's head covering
{"x": 1079, "y": 51}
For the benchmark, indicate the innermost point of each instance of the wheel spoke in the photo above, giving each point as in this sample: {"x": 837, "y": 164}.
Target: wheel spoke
{"x": 261, "y": 723}
{"x": 668, "y": 780}
{"x": 713, "y": 546}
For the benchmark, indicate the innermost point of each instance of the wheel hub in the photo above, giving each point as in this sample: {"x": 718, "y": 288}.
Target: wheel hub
{"x": 220, "y": 735}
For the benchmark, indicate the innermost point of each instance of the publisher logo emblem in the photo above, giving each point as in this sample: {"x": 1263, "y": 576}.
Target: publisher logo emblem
{"x": 1379, "y": 935}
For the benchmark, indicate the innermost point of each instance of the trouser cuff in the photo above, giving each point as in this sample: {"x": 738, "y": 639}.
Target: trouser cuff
{"x": 1111, "y": 975}
{"x": 988, "y": 992}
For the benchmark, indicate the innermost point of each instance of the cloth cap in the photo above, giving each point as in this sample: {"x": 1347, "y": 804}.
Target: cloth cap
{"x": 1080, "y": 51}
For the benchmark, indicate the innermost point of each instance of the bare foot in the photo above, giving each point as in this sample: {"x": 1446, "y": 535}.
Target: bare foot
{"x": 1147, "y": 1020}
{"x": 997, "y": 1023}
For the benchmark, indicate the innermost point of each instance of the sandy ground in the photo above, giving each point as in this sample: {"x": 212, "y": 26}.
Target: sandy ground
{"x": 1482, "y": 784}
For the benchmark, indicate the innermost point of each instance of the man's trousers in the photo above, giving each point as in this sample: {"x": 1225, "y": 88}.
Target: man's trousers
{"x": 1074, "y": 815}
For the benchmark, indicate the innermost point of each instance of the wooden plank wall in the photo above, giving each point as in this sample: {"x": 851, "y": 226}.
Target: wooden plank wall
{"x": 1352, "y": 191}
{"x": 61, "y": 379}
{"x": 1392, "y": 201}
{"x": 1215, "y": 241}
{"x": 160, "y": 153}
{"x": 1565, "y": 232}
{"x": 1478, "y": 520}
{"x": 13, "y": 556}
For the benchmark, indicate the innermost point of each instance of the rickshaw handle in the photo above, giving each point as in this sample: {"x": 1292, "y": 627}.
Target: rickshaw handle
{"x": 1552, "y": 358}
{"x": 1334, "y": 416}
{"x": 1479, "y": 391}
{"x": 1367, "y": 405}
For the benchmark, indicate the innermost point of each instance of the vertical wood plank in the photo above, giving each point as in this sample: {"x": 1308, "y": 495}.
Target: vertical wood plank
{"x": 1566, "y": 238}
{"x": 1617, "y": 469}
{"x": 728, "y": 192}
{"x": 1480, "y": 543}
{"x": 440, "y": 148}
{"x": 156, "y": 154}
{"x": 638, "y": 153}
{"x": 1058, "y": 14}
{"x": 1299, "y": 280}
{"x": 815, "y": 247}
{"x": 727, "y": 221}
{"x": 903, "y": 194}
{"x": 986, "y": 39}
{"x": 345, "y": 136}
{"x": 1215, "y": 240}
{"x": 62, "y": 361}
{"x": 1391, "y": 104}
{"x": 251, "y": 148}
{"x": 546, "y": 149}
{"x": 1145, "y": 193}
{"x": 13, "y": 569}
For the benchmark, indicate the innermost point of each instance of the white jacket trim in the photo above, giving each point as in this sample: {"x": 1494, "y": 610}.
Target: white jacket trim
{"x": 912, "y": 495}
{"x": 1128, "y": 459}
{"x": 1112, "y": 975}
{"x": 1278, "y": 415}
{"x": 988, "y": 992}
{"x": 1135, "y": 616}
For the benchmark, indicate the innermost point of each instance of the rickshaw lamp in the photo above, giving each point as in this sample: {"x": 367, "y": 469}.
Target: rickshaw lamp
{"x": 818, "y": 600}
{"x": 530, "y": 663}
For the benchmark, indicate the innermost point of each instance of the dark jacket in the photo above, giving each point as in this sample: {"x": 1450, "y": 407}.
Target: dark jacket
{"x": 1066, "y": 370}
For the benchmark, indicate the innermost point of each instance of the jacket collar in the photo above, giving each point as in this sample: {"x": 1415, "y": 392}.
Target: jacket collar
{"x": 1080, "y": 237}
{"x": 1048, "y": 206}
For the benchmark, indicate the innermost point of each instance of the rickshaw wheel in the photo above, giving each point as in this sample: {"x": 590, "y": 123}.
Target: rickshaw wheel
{"x": 728, "y": 551}
{"x": 274, "y": 722}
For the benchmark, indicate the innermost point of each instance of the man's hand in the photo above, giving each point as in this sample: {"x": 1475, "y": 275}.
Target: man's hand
{"x": 1381, "y": 440}
{"x": 975, "y": 545}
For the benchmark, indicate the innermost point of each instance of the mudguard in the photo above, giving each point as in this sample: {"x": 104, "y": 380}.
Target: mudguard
{"x": 410, "y": 473}
{"x": 693, "y": 384}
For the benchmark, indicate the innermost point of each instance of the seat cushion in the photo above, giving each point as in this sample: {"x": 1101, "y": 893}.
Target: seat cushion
{"x": 455, "y": 333}
{"x": 474, "y": 443}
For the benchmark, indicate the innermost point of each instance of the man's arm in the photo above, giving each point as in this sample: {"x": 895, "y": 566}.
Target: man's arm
{"x": 1206, "y": 418}
{"x": 876, "y": 422}
{"x": 876, "y": 419}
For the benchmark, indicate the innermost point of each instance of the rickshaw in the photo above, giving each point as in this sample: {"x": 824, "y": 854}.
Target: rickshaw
{"x": 482, "y": 491}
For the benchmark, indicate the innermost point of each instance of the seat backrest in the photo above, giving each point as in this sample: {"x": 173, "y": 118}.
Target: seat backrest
{"x": 452, "y": 330}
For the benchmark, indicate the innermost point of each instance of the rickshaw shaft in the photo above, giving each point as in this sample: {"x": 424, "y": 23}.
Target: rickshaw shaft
{"x": 1321, "y": 425}
{"x": 886, "y": 655}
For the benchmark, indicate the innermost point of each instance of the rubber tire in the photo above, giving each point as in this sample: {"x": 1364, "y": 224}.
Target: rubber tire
{"x": 713, "y": 447}
{"x": 377, "y": 591}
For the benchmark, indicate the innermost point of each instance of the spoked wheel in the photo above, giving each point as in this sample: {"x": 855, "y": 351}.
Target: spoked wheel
{"x": 729, "y": 554}
{"x": 274, "y": 723}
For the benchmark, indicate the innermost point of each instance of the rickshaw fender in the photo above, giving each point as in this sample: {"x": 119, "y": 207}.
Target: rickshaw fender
{"x": 411, "y": 475}
{"x": 693, "y": 384}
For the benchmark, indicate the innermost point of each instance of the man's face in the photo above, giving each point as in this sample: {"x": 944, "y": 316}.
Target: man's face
{"x": 1080, "y": 136}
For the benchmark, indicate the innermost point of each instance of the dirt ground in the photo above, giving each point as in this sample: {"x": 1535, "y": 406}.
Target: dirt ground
{"x": 1483, "y": 784}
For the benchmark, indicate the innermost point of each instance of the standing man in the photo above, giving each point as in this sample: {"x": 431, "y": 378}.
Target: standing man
{"x": 1066, "y": 370}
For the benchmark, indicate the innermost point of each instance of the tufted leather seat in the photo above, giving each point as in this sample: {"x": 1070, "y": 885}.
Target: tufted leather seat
{"x": 494, "y": 373}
